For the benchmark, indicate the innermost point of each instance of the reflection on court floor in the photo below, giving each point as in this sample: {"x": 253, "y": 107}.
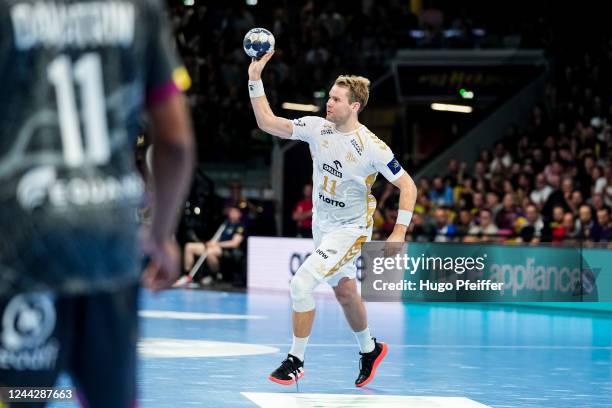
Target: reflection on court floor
{"x": 213, "y": 349}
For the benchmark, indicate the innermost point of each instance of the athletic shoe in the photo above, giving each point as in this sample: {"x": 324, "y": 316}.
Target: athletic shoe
{"x": 290, "y": 370}
{"x": 207, "y": 280}
{"x": 369, "y": 363}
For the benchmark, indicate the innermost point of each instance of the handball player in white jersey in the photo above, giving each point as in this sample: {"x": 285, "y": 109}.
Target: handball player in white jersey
{"x": 347, "y": 157}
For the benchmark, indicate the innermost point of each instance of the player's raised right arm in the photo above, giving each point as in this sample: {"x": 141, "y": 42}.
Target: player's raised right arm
{"x": 266, "y": 119}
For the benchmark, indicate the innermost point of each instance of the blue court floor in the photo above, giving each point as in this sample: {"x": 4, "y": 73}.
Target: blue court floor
{"x": 215, "y": 349}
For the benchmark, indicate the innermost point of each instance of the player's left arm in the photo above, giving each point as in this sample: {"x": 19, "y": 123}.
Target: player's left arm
{"x": 407, "y": 201}
{"x": 174, "y": 146}
{"x": 235, "y": 242}
{"x": 385, "y": 163}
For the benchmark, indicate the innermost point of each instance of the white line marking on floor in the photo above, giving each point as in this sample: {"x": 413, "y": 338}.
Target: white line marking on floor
{"x": 167, "y": 314}
{"x": 456, "y": 346}
{"x": 182, "y": 348}
{"x": 275, "y": 400}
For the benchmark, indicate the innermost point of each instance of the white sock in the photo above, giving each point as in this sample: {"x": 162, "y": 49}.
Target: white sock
{"x": 365, "y": 340}
{"x": 298, "y": 348}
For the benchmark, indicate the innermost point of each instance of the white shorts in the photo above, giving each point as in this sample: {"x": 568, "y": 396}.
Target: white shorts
{"x": 336, "y": 253}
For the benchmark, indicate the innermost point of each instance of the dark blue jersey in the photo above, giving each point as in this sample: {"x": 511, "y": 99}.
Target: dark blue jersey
{"x": 231, "y": 229}
{"x": 76, "y": 77}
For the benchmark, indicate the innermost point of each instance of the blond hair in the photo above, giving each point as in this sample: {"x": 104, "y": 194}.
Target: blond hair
{"x": 359, "y": 89}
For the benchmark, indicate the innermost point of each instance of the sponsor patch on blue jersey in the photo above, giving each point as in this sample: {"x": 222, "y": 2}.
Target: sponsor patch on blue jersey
{"x": 394, "y": 166}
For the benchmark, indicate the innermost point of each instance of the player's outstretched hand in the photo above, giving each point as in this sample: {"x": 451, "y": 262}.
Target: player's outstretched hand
{"x": 164, "y": 265}
{"x": 258, "y": 65}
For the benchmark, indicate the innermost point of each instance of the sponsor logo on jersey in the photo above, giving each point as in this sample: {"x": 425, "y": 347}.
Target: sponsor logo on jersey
{"x": 297, "y": 259}
{"x": 357, "y": 147}
{"x": 327, "y": 131}
{"x": 350, "y": 157}
{"x": 394, "y": 166}
{"x": 299, "y": 123}
{"x": 323, "y": 254}
{"x": 42, "y": 185}
{"x": 33, "y": 187}
{"x": 329, "y": 201}
{"x": 331, "y": 170}
{"x": 26, "y": 343}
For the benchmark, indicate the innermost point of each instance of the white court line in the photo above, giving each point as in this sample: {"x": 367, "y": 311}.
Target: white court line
{"x": 168, "y": 314}
{"x": 456, "y": 346}
{"x": 183, "y": 348}
{"x": 295, "y": 400}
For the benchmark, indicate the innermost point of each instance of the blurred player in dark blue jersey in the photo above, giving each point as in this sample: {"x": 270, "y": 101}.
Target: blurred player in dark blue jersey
{"x": 77, "y": 75}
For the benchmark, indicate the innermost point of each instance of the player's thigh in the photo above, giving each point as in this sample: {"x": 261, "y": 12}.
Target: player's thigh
{"x": 335, "y": 250}
{"x": 195, "y": 248}
{"x": 104, "y": 359}
{"x": 349, "y": 269}
{"x": 35, "y": 339}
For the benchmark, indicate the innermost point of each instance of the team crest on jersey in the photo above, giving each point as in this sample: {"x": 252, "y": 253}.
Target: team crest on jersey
{"x": 350, "y": 157}
{"x": 394, "y": 166}
{"x": 357, "y": 147}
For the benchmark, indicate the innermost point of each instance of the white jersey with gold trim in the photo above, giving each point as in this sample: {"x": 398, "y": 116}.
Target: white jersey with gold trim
{"x": 345, "y": 166}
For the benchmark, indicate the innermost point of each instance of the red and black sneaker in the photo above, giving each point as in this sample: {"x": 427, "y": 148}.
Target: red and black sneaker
{"x": 290, "y": 370}
{"x": 369, "y": 363}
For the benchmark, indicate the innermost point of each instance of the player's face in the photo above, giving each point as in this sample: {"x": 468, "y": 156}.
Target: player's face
{"x": 339, "y": 109}
{"x": 234, "y": 215}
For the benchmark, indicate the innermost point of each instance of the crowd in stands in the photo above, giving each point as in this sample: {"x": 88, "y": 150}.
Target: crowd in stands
{"x": 315, "y": 41}
{"x": 549, "y": 182}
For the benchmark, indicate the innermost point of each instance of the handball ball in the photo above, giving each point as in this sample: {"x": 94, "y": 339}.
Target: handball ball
{"x": 257, "y": 42}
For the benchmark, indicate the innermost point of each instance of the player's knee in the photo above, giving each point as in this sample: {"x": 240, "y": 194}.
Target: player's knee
{"x": 345, "y": 295}
{"x": 302, "y": 285}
